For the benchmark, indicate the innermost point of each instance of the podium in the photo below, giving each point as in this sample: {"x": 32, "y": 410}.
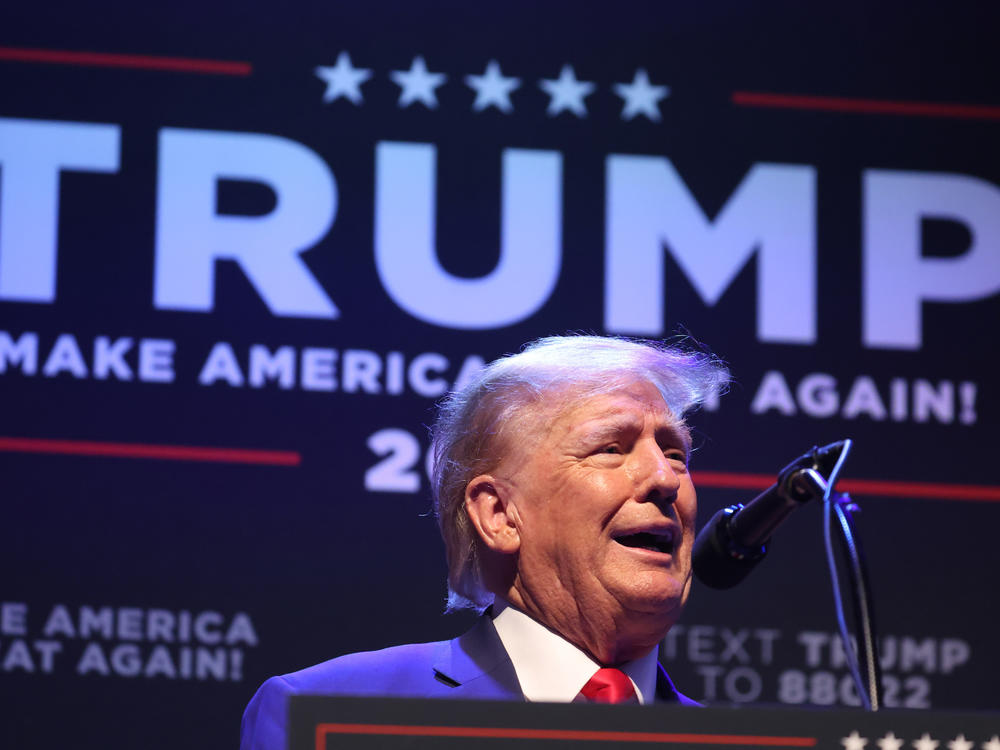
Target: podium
{"x": 327, "y": 722}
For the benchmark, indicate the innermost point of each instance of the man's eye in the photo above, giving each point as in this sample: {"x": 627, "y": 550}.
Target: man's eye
{"x": 676, "y": 455}
{"x": 612, "y": 449}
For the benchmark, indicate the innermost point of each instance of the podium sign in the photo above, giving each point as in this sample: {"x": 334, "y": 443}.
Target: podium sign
{"x": 325, "y": 722}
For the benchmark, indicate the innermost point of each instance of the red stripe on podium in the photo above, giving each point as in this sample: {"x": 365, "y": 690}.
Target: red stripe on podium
{"x": 418, "y": 730}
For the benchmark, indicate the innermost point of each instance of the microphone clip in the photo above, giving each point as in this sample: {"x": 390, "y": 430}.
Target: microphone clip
{"x": 735, "y": 539}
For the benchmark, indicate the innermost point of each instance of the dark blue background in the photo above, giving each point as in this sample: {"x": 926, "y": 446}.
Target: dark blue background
{"x": 324, "y": 566}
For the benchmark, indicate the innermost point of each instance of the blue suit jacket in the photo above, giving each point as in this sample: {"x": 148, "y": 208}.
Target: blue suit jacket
{"x": 473, "y": 666}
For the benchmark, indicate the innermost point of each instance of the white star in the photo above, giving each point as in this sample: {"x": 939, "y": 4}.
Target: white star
{"x": 889, "y": 742}
{"x": 566, "y": 92}
{"x": 343, "y": 79}
{"x": 960, "y": 743}
{"x": 993, "y": 744}
{"x": 417, "y": 84}
{"x": 925, "y": 742}
{"x": 854, "y": 741}
{"x": 641, "y": 98}
{"x": 493, "y": 89}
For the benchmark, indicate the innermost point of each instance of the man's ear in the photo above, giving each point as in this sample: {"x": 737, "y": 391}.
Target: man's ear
{"x": 492, "y": 515}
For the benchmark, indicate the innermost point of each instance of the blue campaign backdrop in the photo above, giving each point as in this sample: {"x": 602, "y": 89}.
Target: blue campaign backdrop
{"x": 244, "y": 249}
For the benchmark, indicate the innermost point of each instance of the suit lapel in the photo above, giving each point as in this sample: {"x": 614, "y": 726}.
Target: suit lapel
{"x": 477, "y": 665}
{"x": 666, "y": 692}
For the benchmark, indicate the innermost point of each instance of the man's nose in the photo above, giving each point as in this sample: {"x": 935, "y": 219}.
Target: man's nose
{"x": 658, "y": 477}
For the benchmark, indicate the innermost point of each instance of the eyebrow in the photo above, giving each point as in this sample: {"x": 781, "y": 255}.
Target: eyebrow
{"x": 607, "y": 425}
{"x": 613, "y": 425}
{"x": 679, "y": 430}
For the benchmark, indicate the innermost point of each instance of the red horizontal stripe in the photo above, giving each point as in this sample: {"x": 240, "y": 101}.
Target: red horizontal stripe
{"x": 716, "y": 479}
{"x": 140, "y": 450}
{"x": 864, "y": 106}
{"x": 113, "y": 60}
{"x": 879, "y": 487}
{"x": 558, "y": 734}
{"x": 921, "y": 489}
{"x": 736, "y": 481}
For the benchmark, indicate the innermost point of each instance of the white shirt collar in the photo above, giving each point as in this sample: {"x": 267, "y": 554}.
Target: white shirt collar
{"x": 550, "y": 668}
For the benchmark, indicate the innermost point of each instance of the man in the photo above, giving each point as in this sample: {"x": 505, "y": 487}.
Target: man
{"x": 563, "y": 496}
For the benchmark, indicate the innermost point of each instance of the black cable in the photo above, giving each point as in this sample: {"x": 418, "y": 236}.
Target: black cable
{"x": 829, "y": 501}
{"x": 863, "y": 610}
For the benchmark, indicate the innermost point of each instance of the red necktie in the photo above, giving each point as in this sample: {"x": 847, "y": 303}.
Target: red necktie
{"x": 609, "y": 685}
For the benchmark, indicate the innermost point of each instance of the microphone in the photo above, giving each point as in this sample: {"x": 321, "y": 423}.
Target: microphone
{"x": 731, "y": 544}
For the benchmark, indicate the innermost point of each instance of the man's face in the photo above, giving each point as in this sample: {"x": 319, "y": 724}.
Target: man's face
{"x": 605, "y": 509}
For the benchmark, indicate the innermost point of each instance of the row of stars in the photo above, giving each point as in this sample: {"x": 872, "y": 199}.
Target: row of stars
{"x": 854, "y": 741}
{"x": 493, "y": 88}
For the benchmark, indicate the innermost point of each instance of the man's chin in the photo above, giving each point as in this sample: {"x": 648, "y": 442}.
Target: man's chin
{"x": 657, "y": 598}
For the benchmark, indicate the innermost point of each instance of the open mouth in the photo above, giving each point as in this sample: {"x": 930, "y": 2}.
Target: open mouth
{"x": 663, "y": 543}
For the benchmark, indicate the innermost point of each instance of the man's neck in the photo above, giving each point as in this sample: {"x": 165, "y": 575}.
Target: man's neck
{"x": 551, "y": 668}
{"x": 609, "y": 638}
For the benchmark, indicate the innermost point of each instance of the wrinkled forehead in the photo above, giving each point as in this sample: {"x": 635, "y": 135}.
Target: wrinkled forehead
{"x": 565, "y": 408}
{"x": 638, "y": 399}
